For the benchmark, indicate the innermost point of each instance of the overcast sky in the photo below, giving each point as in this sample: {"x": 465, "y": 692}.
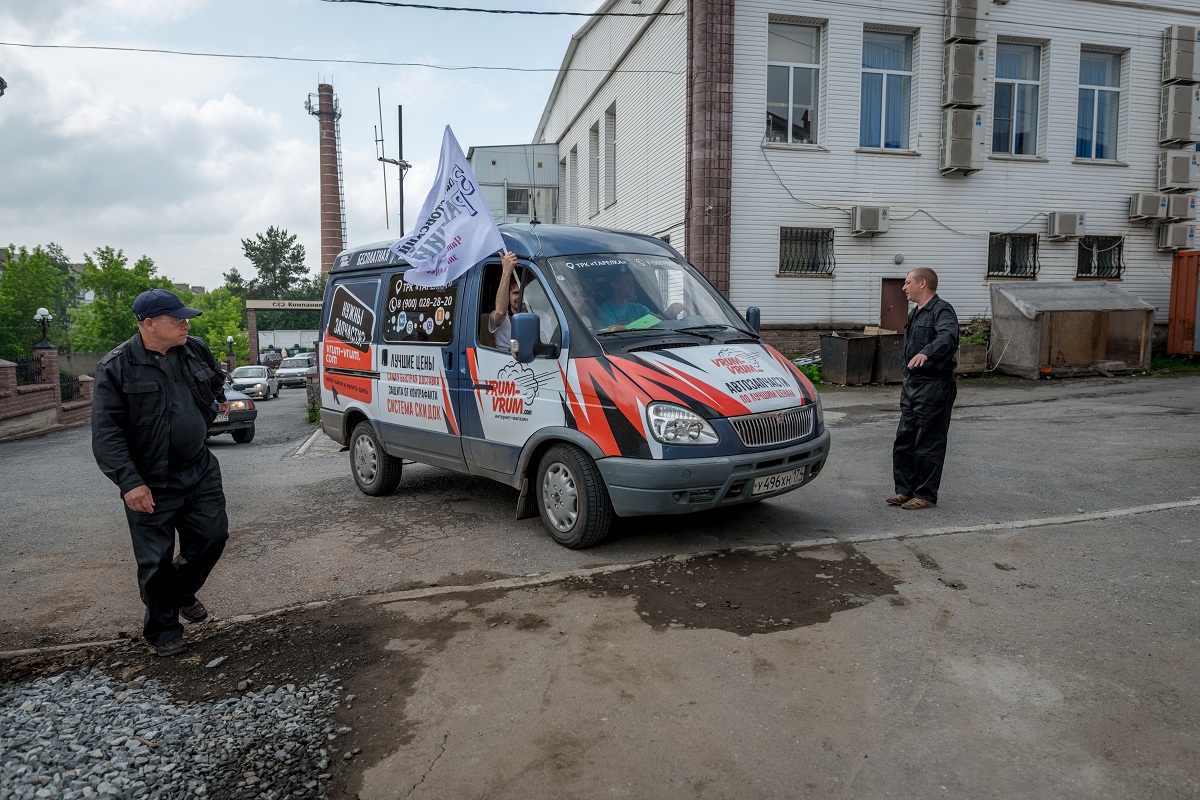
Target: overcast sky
{"x": 181, "y": 157}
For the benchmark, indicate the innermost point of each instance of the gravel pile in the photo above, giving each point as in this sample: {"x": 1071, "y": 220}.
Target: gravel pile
{"x": 84, "y": 734}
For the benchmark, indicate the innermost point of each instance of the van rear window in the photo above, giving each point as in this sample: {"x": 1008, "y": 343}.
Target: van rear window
{"x": 418, "y": 313}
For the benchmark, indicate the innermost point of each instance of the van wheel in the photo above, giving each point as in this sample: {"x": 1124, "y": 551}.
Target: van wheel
{"x": 375, "y": 472}
{"x": 243, "y": 435}
{"x": 572, "y": 498}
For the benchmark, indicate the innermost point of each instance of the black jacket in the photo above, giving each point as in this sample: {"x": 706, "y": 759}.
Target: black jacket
{"x": 130, "y": 426}
{"x": 932, "y": 330}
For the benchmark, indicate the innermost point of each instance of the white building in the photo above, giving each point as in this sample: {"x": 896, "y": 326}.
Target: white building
{"x": 747, "y": 134}
{"x": 518, "y": 181}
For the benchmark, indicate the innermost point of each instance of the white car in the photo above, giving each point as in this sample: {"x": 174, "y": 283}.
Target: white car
{"x": 292, "y": 369}
{"x": 255, "y": 382}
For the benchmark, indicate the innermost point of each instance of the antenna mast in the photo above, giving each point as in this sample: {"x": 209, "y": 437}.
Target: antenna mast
{"x": 381, "y": 156}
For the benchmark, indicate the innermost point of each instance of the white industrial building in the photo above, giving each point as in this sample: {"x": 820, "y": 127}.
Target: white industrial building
{"x": 806, "y": 155}
{"x": 519, "y": 182}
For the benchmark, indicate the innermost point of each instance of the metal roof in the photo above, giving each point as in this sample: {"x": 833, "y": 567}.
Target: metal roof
{"x": 528, "y": 241}
{"x": 1032, "y": 299}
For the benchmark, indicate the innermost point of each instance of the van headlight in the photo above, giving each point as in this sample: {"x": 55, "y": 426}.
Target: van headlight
{"x": 672, "y": 424}
{"x": 820, "y": 412}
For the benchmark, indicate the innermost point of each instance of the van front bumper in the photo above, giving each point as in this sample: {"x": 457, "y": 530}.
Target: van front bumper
{"x": 640, "y": 487}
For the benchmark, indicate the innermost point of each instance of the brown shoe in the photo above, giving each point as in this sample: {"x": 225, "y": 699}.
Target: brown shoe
{"x": 898, "y": 499}
{"x": 918, "y": 503}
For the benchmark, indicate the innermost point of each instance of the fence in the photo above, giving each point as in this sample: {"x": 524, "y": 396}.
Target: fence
{"x": 29, "y": 371}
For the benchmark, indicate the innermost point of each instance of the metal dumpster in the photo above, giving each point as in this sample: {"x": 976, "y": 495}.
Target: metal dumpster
{"x": 848, "y": 358}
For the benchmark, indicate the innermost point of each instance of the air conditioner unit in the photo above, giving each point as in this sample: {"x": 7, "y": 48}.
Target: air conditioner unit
{"x": 1146, "y": 205}
{"x": 1066, "y": 224}
{"x": 962, "y": 141}
{"x": 1177, "y": 236}
{"x": 1181, "y": 207}
{"x": 1178, "y": 171}
{"x": 965, "y": 81}
{"x": 1181, "y": 54}
{"x": 1179, "y": 120}
{"x": 964, "y": 21}
{"x": 869, "y": 220}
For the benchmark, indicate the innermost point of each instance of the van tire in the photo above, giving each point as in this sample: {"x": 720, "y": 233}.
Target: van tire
{"x": 572, "y": 498}
{"x": 375, "y": 471}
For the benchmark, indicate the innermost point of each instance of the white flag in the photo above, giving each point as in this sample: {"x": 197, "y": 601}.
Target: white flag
{"x": 455, "y": 228}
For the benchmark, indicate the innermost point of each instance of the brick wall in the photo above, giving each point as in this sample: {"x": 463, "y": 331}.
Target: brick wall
{"x": 35, "y": 409}
{"x": 709, "y": 188}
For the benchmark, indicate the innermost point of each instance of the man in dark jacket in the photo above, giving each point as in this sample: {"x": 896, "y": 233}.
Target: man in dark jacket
{"x": 155, "y": 396}
{"x": 927, "y": 395}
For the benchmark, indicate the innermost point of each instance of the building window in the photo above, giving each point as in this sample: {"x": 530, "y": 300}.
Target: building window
{"x": 610, "y": 156}
{"x": 517, "y": 202}
{"x": 1101, "y": 257}
{"x": 573, "y": 187}
{"x": 885, "y": 105}
{"x": 806, "y": 251}
{"x": 1012, "y": 255}
{"x": 1018, "y": 93}
{"x": 594, "y": 170}
{"x": 1099, "y": 104}
{"x": 793, "y": 82}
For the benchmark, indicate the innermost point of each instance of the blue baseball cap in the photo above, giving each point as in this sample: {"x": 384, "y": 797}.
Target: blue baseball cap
{"x": 156, "y": 302}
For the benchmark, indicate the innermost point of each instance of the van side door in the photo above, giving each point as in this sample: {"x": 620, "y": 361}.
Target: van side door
{"x": 506, "y": 403}
{"x": 417, "y": 403}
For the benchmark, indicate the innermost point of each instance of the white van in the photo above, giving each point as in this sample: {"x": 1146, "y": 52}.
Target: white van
{"x": 629, "y": 384}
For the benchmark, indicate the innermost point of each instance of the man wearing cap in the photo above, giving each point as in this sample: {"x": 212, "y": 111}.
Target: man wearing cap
{"x": 155, "y": 396}
{"x": 927, "y": 394}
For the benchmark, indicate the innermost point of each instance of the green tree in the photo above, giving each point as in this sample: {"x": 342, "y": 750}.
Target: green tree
{"x": 223, "y": 316}
{"x": 279, "y": 262}
{"x": 108, "y": 320}
{"x": 235, "y": 283}
{"x": 30, "y": 281}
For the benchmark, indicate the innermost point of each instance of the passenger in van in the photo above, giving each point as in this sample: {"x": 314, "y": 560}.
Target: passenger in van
{"x": 508, "y": 302}
{"x": 623, "y": 308}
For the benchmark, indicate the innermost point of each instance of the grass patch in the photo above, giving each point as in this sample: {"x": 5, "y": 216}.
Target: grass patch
{"x": 312, "y": 412}
{"x": 1175, "y": 364}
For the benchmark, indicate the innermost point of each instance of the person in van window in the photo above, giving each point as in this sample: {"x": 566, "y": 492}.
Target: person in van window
{"x": 623, "y": 308}
{"x": 508, "y": 302}
{"x": 927, "y": 394}
{"x": 155, "y": 396}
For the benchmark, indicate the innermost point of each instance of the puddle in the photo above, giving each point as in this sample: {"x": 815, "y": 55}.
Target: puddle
{"x": 746, "y": 593}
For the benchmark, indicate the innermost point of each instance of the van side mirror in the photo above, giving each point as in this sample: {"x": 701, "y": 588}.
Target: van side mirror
{"x": 754, "y": 317}
{"x": 524, "y": 337}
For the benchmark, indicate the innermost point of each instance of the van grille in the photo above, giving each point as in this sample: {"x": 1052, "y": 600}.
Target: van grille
{"x": 774, "y": 427}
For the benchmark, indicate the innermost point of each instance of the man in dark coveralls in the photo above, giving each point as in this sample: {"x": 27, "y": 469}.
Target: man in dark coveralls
{"x": 155, "y": 396}
{"x": 927, "y": 395}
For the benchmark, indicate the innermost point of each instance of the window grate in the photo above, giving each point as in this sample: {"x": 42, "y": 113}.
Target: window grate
{"x": 774, "y": 427}
{"x": 806, "y": 251}
{"x": 1101, "y": 257}
{"x": 1013, "y": 255}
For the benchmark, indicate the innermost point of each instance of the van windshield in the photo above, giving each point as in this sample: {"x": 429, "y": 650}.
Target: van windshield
{"x": 619, "y": 292}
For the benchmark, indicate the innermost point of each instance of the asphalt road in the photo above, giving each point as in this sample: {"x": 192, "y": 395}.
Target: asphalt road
{"x": 1036, "y": 636}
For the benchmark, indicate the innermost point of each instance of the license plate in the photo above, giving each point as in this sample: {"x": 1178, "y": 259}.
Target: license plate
{"x": 780, "y": 480}
{"x": 222, "y": 418}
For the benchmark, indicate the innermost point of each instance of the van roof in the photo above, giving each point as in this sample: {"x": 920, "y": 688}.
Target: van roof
{"x": 527, "y": 241}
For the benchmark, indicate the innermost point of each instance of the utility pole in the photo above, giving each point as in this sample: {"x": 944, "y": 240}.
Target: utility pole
{"x": 403, "y": 165}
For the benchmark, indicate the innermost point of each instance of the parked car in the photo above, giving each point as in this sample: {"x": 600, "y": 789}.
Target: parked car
{"x": 270, "y": 359}
{"x": 239, "y": 420}
{"x": 292, "y": 369}
{"x": 255, "y": 381}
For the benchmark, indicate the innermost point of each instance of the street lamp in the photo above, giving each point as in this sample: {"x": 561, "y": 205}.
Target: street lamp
{"x": 43, "y": 318}
{"x": 229, "y": 352}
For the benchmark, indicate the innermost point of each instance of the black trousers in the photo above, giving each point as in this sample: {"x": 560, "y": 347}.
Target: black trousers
{"x": 920, "y": 448}
{"x": 167, "y": 581}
